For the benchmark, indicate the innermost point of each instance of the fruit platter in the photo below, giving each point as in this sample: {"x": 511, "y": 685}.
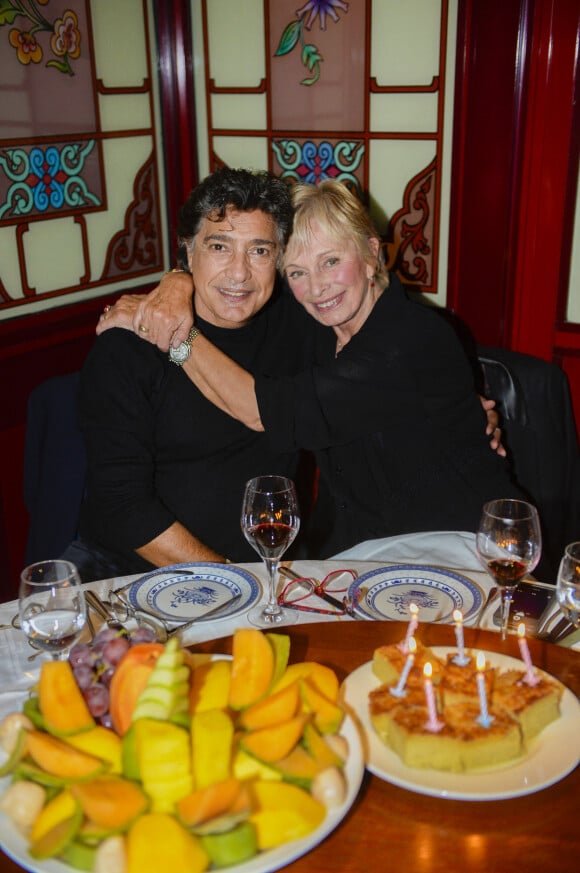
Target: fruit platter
{"x": 135, "y": 756}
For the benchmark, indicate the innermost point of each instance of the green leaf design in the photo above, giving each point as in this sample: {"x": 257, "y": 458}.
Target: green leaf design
{"x": 7, "y": 12}
{"x": 289, "y": 38}
{"x": 314, "y": 78}
{"x": 63, "y": 68}
{"x": 311, "y": 56}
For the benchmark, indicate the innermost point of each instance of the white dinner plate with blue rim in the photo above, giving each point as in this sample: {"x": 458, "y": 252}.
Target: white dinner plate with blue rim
{"x": 183, "y": 592}
{"x": 389, "y": 591}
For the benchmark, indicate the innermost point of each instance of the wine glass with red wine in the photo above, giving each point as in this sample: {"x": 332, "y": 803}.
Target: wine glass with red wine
{"x": 270, "y": 522}
{"x": 509, "y": 545}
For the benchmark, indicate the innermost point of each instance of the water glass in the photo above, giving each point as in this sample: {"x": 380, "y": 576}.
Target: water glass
{"x": 568, "y": 584}
{"x": 51, "y": 606}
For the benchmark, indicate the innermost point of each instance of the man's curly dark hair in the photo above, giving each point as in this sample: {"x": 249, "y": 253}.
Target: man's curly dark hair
{"x": 242, "y": 190}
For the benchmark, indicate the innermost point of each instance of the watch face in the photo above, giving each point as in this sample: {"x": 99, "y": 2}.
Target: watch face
{"x": 181, "y": 353}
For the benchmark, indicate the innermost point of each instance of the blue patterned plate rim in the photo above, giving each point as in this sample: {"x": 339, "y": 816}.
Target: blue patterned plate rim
{"x": 144, "y": 592}
{"x": 429, "y": 579}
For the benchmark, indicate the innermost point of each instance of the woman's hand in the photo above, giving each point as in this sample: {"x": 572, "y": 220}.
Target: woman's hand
{"x": 121, "y": 314}
{"x": 163, "y": 317}
{"x": 493, "y": 430}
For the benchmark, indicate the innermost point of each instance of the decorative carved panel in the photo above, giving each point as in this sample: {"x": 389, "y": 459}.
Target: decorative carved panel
{"x": 79, "y": 176}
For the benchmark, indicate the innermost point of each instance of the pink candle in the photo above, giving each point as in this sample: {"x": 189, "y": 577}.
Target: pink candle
{"x": 411, "y": 627}
{"x": 433, "y": 724}
{"x": 460, "y": 658}
{"x": 399, "y": 690}
{"x": 484, "y": 717}
{"x": 530, "y": 678}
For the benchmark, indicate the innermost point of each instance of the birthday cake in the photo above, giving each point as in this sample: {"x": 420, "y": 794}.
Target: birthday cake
{"x": 532, "y": 706}
{"x": 388, "y": 663}
{"x": 462, "y": 738}
{"x": 458, "y": 683}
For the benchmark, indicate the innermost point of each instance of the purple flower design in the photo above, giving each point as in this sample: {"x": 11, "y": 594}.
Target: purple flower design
{"x": 321, "y": 8}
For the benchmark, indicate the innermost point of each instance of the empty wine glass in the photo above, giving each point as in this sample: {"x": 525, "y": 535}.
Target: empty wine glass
{"x": 270, "y": 522}
{"x": 568, "y": 584}
{"x": 51, "y": 605}
{"x": 509, "y": 545}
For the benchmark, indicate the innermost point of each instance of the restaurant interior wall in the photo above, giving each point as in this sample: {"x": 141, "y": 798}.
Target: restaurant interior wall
{"x": 443, "y": 149}
{"x": 103, "y": 221}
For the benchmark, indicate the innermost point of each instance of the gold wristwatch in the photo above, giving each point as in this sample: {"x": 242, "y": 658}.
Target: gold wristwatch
{"x": 181, "y": 354}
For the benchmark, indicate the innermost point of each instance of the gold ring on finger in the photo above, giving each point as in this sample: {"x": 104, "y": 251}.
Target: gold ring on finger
{"x": 143, "y": 329}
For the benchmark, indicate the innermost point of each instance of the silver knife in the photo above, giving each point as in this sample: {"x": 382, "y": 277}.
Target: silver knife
{"x": 192, "y": 621}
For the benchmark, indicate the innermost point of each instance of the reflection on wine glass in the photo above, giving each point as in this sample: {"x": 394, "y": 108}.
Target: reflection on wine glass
{"x": 52, "y": 606}
{"x": 270, "y": 522}
{"x": 568, "y": 584}
{"x": 509, "y": 545}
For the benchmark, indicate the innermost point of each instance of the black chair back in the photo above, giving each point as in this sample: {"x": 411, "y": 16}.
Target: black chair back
{"x": 539, "y": 432}
{"x": 54, "y": 467}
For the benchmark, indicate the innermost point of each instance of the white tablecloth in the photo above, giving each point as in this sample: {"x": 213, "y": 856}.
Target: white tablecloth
{"x": 446, "y": 550}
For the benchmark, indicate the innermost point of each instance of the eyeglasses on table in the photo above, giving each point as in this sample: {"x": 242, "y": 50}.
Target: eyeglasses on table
{"x": 298, "y": 590}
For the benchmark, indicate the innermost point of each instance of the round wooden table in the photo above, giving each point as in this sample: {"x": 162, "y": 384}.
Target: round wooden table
{"x": 390, "y": 828}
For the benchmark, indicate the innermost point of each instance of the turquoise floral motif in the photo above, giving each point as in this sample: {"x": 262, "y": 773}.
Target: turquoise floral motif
{"x": 65, "y": 40}
{"x": 46, "y": 178}
{"x": 312, "y": 163}
{"x": 294, "y": 32}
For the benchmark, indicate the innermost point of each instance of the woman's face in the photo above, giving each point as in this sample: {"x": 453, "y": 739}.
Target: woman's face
{"x": 331, "y": 280}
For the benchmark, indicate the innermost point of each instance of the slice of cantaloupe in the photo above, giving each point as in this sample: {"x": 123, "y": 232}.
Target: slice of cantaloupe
{"x": 272, "y": 743}
{"x": 271, "y": 710}
{"x": 252, "y": 667}
{"x": 61, "y": 701}
{"x": 56, "y": 757}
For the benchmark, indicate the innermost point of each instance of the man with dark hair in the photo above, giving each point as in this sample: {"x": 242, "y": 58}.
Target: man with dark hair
{"x": 166, "y": 468}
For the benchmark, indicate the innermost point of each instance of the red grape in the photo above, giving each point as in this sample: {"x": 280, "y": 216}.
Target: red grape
{"x": 106, "y": 721}
{"x": 143, "y": 635}
{"x": 97, "y": 699}
{"x": 81, "y": 655}
{"x": 84, "y": 676}
{"x": 114, "y": 650}
{"x": 106, "y": 676}
{"x": 105, "y": 634}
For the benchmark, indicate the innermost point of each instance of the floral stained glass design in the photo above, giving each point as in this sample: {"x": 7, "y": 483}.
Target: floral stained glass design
{"x": 65, "y": 36}
{"x": 43, "y": 179}
{"x": 314, "y": 162}
{"x": 293, "y": 34}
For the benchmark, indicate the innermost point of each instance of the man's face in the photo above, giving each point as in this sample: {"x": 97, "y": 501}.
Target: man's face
{"x": 233, "y": 264}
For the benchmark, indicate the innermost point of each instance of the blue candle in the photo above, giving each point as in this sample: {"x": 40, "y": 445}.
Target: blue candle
{"x": 484, "y": 718}
{"x": 399, "y": 690}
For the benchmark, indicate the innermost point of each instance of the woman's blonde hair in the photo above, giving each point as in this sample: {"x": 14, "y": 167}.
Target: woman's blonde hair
{"x": 341, "y": 215}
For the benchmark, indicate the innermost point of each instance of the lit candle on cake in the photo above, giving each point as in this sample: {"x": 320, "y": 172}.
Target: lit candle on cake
{"x": 530, "y": 678}
{"x": 433, "y": 724}
{"x": 411, "y": 627}
{"x": 484, "y": 718}
{"x": 460, "y": 658}
{"x": 399, "y": 690}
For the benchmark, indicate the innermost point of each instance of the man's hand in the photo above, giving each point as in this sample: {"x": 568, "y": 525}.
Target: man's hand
{"x": 163, "y": 317}
{"x": 492, "y": 428}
